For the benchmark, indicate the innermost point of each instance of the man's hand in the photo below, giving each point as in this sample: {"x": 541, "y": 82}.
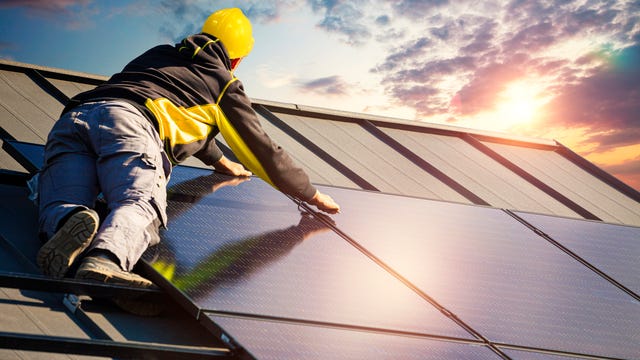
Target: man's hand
{"x": 325, "y": 203}
{"x": 226, "y": 166}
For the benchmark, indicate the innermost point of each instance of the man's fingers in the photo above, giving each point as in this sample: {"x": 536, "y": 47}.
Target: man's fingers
{"x": 325, "y": 203}
{"x": 331, "y": 209}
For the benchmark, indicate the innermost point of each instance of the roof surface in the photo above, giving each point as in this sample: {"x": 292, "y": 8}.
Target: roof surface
{"x": 452, "y": 243}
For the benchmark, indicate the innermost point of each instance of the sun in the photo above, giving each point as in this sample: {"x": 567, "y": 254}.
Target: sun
{"x": 515, "y": 109}
{"x": 518, "y": 104}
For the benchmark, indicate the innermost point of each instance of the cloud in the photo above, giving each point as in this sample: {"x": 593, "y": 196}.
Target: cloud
{"x": 268, "y": 11}
{"x": 345, "y": 18}
{"x": 482, "y": 39}
{"x": 183, "y": 17}
{"x": 187, "y": 16}
{"x": 44, "y": 7}
{"x": 418, "y": 86}
{"x": 631, "y": 167}
{"x": 416, "y": 9}
{"x": 606, "y": 102}
{"x": 517, "y": 42}
{"x": 330, "y": 85}
{"x": 63, "y": 12}
{"x": 391, "y": 35}
{"x": 628, "y": 172}
{"x": 383, "y": 20}
{"x": 397, "y": 58}
{"x": 616, "y": 137}
{"x": 534, "y": 38}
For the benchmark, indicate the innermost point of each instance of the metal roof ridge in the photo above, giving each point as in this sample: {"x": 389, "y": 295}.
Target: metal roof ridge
{"x": 399, "y": 121}
{"x": 51, "y": 70}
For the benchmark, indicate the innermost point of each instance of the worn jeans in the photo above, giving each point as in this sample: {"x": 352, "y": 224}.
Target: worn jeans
{"x": 107, "y": 147}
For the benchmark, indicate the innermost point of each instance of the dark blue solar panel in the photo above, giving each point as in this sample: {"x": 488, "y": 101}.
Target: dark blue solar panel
{"x": 18, "y": 241}
{"x": 247, "y": 249}
{"x": 31, "y": 156}
{"x": 267, "y": 340}
{"x": 534, "y": 355}
{"x": 613, "y": 249}
{"x": 495, "y": 274}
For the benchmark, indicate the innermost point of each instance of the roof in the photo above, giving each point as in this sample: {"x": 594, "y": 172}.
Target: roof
{"x": 452, "y": 243}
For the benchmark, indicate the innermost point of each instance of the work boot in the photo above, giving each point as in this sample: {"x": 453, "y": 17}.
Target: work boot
{"x": 72, "y": 238}
{"x": 104, "y": 270}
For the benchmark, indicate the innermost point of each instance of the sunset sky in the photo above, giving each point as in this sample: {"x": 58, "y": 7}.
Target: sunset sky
{"x": 563, "y": 70}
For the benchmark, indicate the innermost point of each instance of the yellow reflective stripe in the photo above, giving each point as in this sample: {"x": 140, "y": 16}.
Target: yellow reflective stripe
{"x": 240, "y": 148}
{"x": 197, "y": 50}
{"x": 236, "y": 143}
{"x": 225, "y": 89}
{"x": 181, "y": 125}
{"x": 203, "y": 46}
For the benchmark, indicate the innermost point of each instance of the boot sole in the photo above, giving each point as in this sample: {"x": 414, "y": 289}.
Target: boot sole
{"x": 58, "y": 254}
{"x": 137, "y": 306}
{"x": 96, "y": 272}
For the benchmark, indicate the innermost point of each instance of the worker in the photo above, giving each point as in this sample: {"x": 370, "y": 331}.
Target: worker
{"x": 121, "y": 139}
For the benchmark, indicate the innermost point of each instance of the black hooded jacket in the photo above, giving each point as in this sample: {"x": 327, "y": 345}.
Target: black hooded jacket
{"x": 190, "y": 95}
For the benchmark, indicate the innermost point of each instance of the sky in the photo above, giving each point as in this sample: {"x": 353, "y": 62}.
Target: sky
{"x": 560, "y": 70}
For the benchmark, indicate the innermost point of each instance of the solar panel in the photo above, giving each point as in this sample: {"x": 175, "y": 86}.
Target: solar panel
{"x": 614, "y": 249}
{"x": 29, "y": 155}
{"x": 243, "y": 253}
{"x": 248, "y": 249}
{"x": 533, "y": 355}
{"x": 278, "y": 340}
{"x": 509, "y": 284}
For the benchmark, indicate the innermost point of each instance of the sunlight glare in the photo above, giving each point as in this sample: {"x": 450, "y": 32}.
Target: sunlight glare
{"x": 518, "y": 104}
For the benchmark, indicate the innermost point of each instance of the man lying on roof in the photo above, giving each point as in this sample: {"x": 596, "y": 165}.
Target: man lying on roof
{"x": 122, "y": 138}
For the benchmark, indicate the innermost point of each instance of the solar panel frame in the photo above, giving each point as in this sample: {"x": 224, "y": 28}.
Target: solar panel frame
{"x": 266, "y": 339}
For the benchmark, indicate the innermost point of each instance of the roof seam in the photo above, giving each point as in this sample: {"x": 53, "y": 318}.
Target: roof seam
{"x": 530, "y": 178}
{"x": 335, "y": 163}
{"x": 422, "y": 163}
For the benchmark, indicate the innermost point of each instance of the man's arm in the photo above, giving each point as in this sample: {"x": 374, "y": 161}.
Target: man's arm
{"x": 321, "y": 201}
{"x": 241, "y": 128}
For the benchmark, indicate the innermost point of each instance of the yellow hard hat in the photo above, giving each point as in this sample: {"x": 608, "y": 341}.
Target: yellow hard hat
{"x": 233, "y": 28}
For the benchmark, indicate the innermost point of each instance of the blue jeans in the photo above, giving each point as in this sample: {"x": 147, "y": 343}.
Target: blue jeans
{"x": 107, "y": 147}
